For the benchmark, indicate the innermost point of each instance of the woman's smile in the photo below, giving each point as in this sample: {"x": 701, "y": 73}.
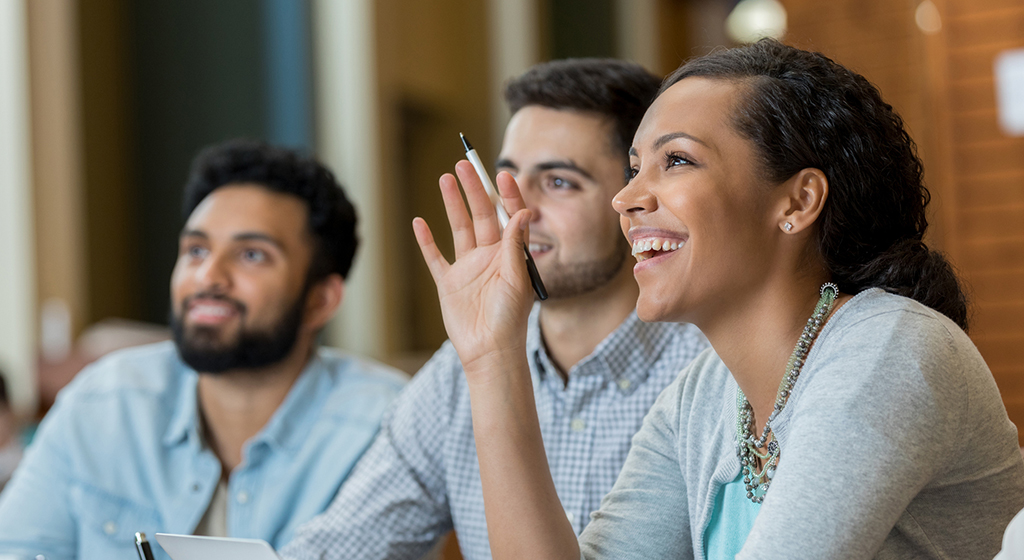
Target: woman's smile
{"x": 644, "y": 249}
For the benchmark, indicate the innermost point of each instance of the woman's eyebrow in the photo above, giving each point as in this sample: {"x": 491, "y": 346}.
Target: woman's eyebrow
{"x": 664, "y": 139}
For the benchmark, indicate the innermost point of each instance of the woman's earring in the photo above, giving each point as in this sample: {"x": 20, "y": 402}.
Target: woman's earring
{"x": 788, "y": 226}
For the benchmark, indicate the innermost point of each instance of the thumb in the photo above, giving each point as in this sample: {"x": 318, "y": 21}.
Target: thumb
{"x": 515, "y": 238}
{"x": 518, "y": 229}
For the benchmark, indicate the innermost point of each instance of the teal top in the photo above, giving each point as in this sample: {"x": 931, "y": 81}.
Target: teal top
{"x": 731, "y": 521}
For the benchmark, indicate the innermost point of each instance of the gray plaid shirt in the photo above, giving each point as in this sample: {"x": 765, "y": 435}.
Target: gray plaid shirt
{"x": 420, "y": 478}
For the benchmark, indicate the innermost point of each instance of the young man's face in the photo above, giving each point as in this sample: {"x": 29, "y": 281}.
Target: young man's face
{"x": 568, "y": 173}
{"x": 239, "y": 286}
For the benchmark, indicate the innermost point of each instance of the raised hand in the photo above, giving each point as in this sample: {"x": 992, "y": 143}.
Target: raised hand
{"x": 485, "y": 294}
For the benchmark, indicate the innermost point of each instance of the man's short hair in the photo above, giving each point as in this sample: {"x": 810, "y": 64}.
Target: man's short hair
{"x": 615, "y": 89}
{"x": 332, "y": 218}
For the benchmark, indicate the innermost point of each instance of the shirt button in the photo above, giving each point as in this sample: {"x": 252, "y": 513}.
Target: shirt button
{"x": 570, "y": 516}
{"x": 242, "y": 497}
{"x": 110, "y": 527}
{"x": 578, "y": 425}
{"x": 624, "y": 384}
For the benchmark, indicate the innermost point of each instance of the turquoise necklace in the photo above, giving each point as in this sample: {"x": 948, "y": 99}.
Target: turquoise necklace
{"x": 748, "y": 447}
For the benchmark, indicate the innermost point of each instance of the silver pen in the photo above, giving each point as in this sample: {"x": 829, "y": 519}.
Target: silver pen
{"x": 503, "y": 218}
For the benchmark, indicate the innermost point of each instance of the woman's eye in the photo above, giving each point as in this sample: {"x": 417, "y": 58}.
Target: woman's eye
{"x": 631, "y": 172}
{"x": 674, "y": 160}
{"x": 254, "y": 255}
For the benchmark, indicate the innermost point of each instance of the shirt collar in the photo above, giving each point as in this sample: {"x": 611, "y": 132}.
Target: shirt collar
{"x": 291, "y": 423}
{"x": 286, "y": 428}
{"x": 625, "y": 356}
{"x": 185, "y": 418}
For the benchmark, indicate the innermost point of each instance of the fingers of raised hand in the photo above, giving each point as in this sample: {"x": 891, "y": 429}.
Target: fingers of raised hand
{"x": 458, "y": 218}
{"x": 511, "y": 197}
{"x": 485, "y": 219}
{"x": 519, "y": 229}
{"x": 431, "y": 254}
{"x": 513, "y": 242}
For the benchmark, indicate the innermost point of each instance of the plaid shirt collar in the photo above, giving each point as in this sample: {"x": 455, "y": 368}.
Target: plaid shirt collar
{"x": 624, "y": 357}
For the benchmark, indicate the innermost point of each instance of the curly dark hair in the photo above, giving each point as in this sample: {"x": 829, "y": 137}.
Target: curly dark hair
{"x": 332, "y": 218}
{"x": 615, "y": 89}
{"x": 802, "y": 110}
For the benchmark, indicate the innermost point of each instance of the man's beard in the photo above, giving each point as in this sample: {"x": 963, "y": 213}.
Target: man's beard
{"x": 203, "y": 351}
{"x": 576, "y": 279}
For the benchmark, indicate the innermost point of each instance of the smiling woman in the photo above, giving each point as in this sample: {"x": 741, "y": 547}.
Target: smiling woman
{"x": 776, "y": 202}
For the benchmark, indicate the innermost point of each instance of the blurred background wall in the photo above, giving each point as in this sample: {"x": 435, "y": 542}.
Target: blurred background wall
{"x": 17, "y": 268}
{"x": 103, "y": 103}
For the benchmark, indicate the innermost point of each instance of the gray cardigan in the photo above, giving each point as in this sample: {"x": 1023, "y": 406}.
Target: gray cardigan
{"x": 895, "y": 444}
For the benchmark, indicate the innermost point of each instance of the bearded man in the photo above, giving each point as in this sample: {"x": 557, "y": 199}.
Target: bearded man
{"x": 596, "y": 368}
{"x": 242, "y": 426}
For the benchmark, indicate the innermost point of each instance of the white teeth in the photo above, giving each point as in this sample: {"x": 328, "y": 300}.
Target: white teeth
{"x": 537, "y": 247}
{"x": 648, "y": 245}
{"x": 212, "y": 310}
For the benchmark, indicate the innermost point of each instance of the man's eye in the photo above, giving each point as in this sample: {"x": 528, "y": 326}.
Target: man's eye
{"x": 631, "y": 172}
{"x": 254, "y": 255}
{"x": 558, "y": 183}
{"x": 197, "y": 252}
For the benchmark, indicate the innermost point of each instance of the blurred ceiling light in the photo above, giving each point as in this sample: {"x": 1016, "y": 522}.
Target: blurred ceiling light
{"x": 928, "y": 18}
{"x": 751, "y": 20}
{"x": 1009, "y": 75}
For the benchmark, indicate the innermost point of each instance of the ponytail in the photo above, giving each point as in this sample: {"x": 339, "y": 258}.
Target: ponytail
{"x": 911, "y": 269}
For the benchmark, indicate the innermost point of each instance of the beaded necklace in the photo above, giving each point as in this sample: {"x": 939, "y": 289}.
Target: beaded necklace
{"x": 747, "y": 446}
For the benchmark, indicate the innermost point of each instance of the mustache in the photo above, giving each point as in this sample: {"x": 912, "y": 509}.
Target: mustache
{"x": 212, "y": 296}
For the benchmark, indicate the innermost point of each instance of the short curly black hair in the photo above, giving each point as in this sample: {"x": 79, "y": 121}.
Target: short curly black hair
{"x": 618, "y": 90}
{"x": 332, "y": 218}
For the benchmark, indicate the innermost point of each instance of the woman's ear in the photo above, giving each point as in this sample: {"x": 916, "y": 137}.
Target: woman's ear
{"x": 803, "y": 199}
{"x": 323, "y": 300}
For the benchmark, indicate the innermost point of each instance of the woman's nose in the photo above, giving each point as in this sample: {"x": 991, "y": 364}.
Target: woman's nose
{"x": 635, "y": 197}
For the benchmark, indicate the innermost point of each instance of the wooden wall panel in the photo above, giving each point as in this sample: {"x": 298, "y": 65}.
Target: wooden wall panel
{"x": 61, "y": 269}
{"x": 431, "y": 87}
{"x": 988, "y": 175}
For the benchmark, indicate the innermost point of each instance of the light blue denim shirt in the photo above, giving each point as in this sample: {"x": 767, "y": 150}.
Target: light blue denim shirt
{"x": 121, "y": 452}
